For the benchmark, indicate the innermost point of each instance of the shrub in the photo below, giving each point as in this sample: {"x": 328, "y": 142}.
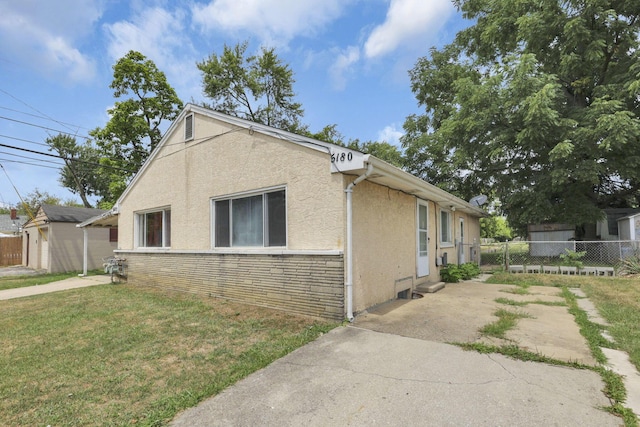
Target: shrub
{"x": 572, "y": 258}
{"x": 454, "y": 273}
{"x": 629, "y": 265}
{"x": 469, "y": 270}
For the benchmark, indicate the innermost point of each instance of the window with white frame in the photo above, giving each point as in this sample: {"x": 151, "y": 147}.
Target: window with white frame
{"x": 256, "y": 220}
{"x": 154, "y": 228}
{"x": 446, "y": 235}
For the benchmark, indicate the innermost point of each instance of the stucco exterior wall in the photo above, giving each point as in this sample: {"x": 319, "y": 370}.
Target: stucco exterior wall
{"x": 66, "y": 247}
{"x": 384, "y": 244}
{"x": 63, "y": 248}
{"x": 35, "y": 247}
{"x": 222, "y": 160}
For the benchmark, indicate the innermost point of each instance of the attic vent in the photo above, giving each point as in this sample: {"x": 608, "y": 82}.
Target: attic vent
{"x": 188, "y": 127}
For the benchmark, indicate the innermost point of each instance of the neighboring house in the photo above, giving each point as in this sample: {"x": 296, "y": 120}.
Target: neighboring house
{"x": 52, "y": 242}
{"x": 11, "y": 224}
{"x": 608, "y": 228}
{"x": 229, "y": 208}
{"x": 629, "y": 227}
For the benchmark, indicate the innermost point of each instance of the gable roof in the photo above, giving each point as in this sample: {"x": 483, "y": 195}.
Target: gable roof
{"x": 69, "y": 214}
{"x": 357, "y": 163}
{"x": 8, "y": 224}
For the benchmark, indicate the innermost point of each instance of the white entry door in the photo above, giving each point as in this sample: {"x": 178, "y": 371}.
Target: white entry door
{"x": 422, "y": 250}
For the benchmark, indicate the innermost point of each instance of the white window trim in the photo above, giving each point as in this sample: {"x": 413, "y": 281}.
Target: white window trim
{"x": 241, "y": 195}
{"x": 445, "y": 243}
{"x": 137, "y": 229}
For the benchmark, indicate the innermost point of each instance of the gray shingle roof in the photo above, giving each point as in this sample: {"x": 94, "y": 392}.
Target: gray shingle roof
{"x": 7, "y": 225}
{"x": 69, "y": 214}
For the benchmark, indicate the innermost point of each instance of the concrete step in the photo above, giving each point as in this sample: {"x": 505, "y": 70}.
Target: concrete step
{"x": 430, "y": 288}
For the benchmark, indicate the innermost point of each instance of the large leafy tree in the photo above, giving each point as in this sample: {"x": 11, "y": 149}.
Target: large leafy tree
{"x": 135, "y": 126}
{"x": 257, "y": 87}
{"x": 79, "y": 174}
{"x": 536, "y": 104}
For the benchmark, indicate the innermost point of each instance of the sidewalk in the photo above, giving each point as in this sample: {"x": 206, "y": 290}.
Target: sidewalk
{"x": 62, "y": 285}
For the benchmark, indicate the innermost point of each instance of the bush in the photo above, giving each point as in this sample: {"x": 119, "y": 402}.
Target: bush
{"x": 629, "y": 265}
{"x": 454, "y": 273}
{"x": 572, "y": 258}
{"x": 469, "y": 270}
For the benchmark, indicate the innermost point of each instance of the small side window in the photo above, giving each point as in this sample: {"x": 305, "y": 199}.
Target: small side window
{"x": 188, "y": 127}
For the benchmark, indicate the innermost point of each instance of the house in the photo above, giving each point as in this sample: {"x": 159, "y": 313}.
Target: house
{"x": 11, "y": 224}
{"x": 52, "y": 242}
{"x": 629, "y": 227}
{"x": 229, "y": 208}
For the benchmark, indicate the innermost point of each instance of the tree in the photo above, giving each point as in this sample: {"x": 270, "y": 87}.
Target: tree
{"x": 382, "y": 150}
{"x": 257, "y": 88}
{"x": 536, "y": 104}
{"x": 495, "y": 227}
{"x": 79, "y": 174}
{"x": 31, "y": 202}
{"x": 134, "y": 129}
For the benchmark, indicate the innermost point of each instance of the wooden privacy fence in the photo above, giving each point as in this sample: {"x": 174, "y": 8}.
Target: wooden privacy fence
{"x": 10, "y": 251}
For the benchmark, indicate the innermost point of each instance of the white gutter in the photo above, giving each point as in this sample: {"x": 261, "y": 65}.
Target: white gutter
{"x": 349, "y": 250}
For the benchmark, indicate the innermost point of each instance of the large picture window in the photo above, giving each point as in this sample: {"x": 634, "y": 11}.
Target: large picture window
{"x": 255, "y": 220}
{"x": 446, "y": 237}
{"x": 154, "y": 229}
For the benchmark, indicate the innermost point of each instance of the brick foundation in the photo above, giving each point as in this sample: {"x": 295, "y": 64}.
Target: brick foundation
{"x": 311, "y": 285}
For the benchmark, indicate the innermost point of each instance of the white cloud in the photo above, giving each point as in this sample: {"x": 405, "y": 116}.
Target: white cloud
{"x": 408, "y": 23}
{"x": 38, "y": 35}
{"x": 343, "y": 65}
{"x": 390, "y": 134}
{"x": 275, "y": 22}
{"x": 159, "y": 35}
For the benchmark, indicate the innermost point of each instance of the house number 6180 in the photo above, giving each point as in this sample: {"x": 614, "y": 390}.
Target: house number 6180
{"x": 341, "y": 157}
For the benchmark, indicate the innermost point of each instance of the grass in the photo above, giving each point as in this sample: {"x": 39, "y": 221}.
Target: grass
{"x": 119, "y": 355}
{"x": 13, "y": 282}
{"x": 507, "y": 301}
{"x": 506, "y": 320}
{"x": 618, "y": 301}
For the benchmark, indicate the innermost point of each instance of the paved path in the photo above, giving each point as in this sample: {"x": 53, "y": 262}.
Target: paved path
{"x": 62, "y": 285}
{"x": 358, "y": 377}
{"x": 394, "y": 366}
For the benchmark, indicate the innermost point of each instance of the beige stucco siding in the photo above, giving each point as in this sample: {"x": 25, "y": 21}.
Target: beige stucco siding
{"x": 62, "y": 247}
{"x": 384, "y": 243}
{"x": 66, "y": 247}
{"x": 224, "y": 161}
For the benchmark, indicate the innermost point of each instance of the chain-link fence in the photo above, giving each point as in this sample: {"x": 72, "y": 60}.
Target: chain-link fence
{"x": 567, "y": 257}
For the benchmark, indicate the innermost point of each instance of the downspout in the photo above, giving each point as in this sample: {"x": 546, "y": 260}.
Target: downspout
{"x": 349, "y": 248}
{"x": 85, "y": 251}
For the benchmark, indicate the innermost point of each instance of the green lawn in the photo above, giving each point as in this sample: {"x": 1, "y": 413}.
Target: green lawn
{"x": 121, "y": 355}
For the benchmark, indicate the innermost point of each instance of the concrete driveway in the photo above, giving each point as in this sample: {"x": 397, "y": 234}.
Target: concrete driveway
{"x": 456, "y": 313}
{"x": 393, "y": 366}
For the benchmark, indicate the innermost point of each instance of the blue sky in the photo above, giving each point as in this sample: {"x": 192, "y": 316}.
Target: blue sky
{"x": 350, "y": 59}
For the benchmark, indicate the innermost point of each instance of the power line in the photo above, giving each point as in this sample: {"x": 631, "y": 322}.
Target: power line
{"x": 43, "y": 117}
{"x": 31, "y": 158}
{"x": 29, "y": 164}
{"x": 34, "y": 109}
{"x": 66, "y": 158}
{"x": 46, "y": 128}
{"x": 24, "y": 140}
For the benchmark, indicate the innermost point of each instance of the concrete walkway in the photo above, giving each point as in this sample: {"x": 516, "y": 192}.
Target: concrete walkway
{"x": 358, "y": 377}
{"x": 62, "y": 285}
{"x": 394, "y": 366}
